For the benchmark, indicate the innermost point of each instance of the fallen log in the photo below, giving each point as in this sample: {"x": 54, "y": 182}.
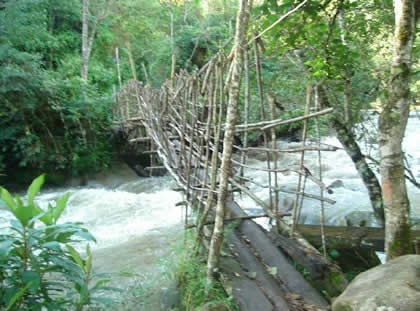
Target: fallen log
{"x": 274, "y": 291}
{"x": 246, "y": 292}
{"x": 273, "y": 257}
{"x": 239, "y": 283}
{"x": 294, "y": 250}
{"x": 334, "y": 281}
{"x": 364, "y": 237}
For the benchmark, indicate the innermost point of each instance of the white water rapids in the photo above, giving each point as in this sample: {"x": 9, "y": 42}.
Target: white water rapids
{"x": 135, "y": 219}
{"x": 352, "y": 200}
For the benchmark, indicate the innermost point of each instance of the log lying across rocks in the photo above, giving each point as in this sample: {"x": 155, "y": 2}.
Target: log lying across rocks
{"x": 364, "y": 237}
{"x": 261, "y": 262}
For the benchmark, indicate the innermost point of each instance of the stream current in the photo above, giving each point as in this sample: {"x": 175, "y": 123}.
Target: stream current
{"x": 135, "y": 219}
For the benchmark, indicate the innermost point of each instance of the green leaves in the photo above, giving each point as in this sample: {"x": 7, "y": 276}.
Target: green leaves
{"x": 54, "y": 213}
{"x": 26, "y": 213}
{"x": 88, "y": 265}
{"x": 23, "y": 213}
{"x": 5, "y": 247}
{"x": 17, "y": 296}
{"x": 34, "y": 188}
{"x": 75, "y": 255}
{"x": 36, "y": 248}
{"x": 40, "y": 89}
{"x": 8, "y": 199}
{"x": 272, "y": 270}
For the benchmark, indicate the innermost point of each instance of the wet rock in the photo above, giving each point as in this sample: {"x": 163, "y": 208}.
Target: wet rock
{"x": 361, "y": 219}
{"x": 415, "y": 223}
{"x": 336, "y": 184}
{"x": 170, "y": 297}
{"x": 394, "y": 286}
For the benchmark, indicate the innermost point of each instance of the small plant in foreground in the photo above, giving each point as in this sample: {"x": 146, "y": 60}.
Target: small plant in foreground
{"x": 39, "y": 269}
{"x": 181, "y": 284}
{"x": 190, "y": 273}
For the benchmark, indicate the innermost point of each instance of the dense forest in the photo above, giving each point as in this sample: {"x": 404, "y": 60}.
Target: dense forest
{"x": 63, "y": 64}
{"x": 55, "y": 120}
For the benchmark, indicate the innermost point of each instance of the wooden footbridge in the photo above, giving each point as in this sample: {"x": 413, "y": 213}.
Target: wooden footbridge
{"x": 184, "y": 123}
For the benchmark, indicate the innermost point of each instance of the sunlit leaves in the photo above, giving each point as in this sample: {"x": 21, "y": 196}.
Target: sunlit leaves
{"x": 34, "y": 188}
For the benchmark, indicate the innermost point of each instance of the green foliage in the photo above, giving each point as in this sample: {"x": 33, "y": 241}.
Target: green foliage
{"x": 38, "y": 266}
{"x": 180, "y": 283}
{"x": 308, "y": 48}
{"x": 50, "y": 119}
{"x": 190, "y": 273}
{"x": 195, "y": 36}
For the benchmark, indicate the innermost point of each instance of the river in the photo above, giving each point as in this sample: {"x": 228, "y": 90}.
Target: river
{"x": 135, "y": 219}
{"x": 352, "y": 200}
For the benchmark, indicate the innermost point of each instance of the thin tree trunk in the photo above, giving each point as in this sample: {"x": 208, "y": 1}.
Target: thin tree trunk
{"x": 51, "y": 25}
{"x": 173, "y": 61}
{"x": 297, "y": 205}
{"x": 226, "y": 166}
{"x": 146, "y": 75}
{"x": 347, "y": 138}
{"x": 392, "y": 124}
{"x": 131, "y": 60}
{"x": 85, "y": 39}
{"x": 88, "y": 38}
{"x": 346, "y": 82}
{"x": 117, "y": 58}
{"x": 262, "y": 113}
{"x": 321, "y": 191}
{"x": 246, "y": 111}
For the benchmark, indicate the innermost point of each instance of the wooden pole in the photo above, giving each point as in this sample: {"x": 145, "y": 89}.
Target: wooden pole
{"x": 297, "y": 203}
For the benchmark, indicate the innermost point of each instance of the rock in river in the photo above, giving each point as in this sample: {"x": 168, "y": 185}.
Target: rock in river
{"x": 394, "y": 286}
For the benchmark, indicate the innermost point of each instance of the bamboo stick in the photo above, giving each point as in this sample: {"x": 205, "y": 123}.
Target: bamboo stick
{"x": 190, "y": 226}
{"x": 246, "y": 110}
{"x": 321, "y": 191}
{"x": 299, "y": 199}
{"x": 217, "y": 121}
{"x": 262, "y": 112}
{"x": 294, "y": 150}
{"x": 280, "y": 189}
{"x": 265, "y": 125}
{"x": 275, "y": 158}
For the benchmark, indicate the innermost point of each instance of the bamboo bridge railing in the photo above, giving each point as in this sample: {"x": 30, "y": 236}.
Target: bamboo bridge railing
{"x": 183, "y": 122}
{"x": 184, "y": 119}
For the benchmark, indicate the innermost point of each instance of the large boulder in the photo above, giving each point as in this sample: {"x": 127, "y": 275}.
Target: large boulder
{"x": 394, "y": 286}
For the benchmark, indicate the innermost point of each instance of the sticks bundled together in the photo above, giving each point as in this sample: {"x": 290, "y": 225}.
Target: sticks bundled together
{"x": 184, "y": 119}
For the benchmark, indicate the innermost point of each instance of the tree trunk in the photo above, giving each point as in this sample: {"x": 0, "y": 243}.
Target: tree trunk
{"x": 226, "y": 166}
{"x": 346, "y": 137}
{"x": 85, "y": 39}
{"x": 349, "y": 142}
{"x": 131, "y": 59}
{"x": 392, "y": 124}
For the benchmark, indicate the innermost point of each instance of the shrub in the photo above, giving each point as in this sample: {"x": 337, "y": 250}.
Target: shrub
{"x": 39, "y": 267}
